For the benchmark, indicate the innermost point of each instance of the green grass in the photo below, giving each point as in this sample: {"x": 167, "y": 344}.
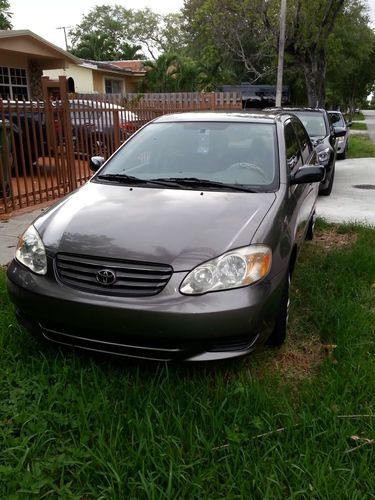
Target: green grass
{"x": 361, "y": 146}
{"x": 267, "y": 427}
{"x": 358, "y": 116}
{"x": 359, "y": 126}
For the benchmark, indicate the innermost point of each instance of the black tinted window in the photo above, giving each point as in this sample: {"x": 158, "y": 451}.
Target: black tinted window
{"x": 293, "y": 152}
{"x": 304, "y": 141}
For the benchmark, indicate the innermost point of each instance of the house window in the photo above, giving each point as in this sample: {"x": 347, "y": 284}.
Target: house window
{"x": 113, "y": 86}
{"x": 13, "y": 83}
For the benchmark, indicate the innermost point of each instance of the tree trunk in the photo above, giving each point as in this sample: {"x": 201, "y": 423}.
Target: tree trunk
{"x": 314, "y": 67}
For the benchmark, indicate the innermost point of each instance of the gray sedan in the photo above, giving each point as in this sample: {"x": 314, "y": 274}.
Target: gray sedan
{"x": 180, "y": 247}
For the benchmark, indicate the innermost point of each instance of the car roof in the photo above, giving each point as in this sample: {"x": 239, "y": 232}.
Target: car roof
{"x": 293, "y": 110}
{"x": 223, "y": 116}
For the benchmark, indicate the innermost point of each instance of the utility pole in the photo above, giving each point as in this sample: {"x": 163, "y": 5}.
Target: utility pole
{"x": 66, "y": 39}
{"x": 280, "y": 64}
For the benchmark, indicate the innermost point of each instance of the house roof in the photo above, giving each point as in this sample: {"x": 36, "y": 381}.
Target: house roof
{"x": 134, "y": 65}
{"x": 114, "y": 67}
{"x": 9, "y": 41}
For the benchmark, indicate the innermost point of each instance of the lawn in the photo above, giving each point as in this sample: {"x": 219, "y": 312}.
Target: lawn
{"x": 359, "y": 126}
{"x": 292, "y": 423}
{"x": 361, "y": 146}
{"x": 358, "y": 116}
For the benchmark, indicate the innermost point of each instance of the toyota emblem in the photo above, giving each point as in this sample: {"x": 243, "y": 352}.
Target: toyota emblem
{"x": 105, "y": 277}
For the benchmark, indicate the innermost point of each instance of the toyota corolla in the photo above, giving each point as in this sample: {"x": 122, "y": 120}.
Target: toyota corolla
{"x": 182, "y": 244}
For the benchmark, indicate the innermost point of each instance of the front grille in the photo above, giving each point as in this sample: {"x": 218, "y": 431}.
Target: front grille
{"x": 132, "y": 279}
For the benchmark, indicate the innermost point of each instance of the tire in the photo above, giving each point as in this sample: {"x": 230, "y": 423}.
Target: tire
{"x": 342, "y": 155}
{"x": 278, "y": 335}
{"x": 326, "y": 191}
{"x": 311, "y": 228}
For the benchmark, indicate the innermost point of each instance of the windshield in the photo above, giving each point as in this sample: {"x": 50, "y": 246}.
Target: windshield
{"x": 337, "y": 119}
{"x": 314, "y": 123}
{"x": 231, "y": 153}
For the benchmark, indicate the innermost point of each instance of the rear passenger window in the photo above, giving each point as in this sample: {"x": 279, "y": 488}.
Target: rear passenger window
{"x": 293, "y": 152}
{"x": 304, "y": 140}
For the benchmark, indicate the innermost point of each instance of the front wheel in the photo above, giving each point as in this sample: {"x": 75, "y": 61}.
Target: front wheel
{"x": 326, "y": 191}
{"x": 278, "y": 335}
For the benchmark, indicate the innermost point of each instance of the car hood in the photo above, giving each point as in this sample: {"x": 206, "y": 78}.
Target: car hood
{"x": 171, "y": 226}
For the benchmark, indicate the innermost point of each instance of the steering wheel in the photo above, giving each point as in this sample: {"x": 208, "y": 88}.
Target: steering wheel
{"x": 248, "y": 166}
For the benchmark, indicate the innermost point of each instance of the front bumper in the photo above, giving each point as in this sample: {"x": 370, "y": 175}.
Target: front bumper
{"x": 165, "y": 327}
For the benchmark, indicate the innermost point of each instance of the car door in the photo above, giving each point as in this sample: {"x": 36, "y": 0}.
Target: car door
{"x": 299, "y": 200}
{"x": 308, "y": 158}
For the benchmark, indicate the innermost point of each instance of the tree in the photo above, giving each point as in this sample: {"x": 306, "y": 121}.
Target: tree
{"x": 351, "y": 58}
{"x": 233, "y": 33}
{"x": 246, "y": 33}
{"x": 5, "y": 15}
{"x": 121, "y": 31}
{"x": 309, "y": 27}
{"x": 102, "y": 33}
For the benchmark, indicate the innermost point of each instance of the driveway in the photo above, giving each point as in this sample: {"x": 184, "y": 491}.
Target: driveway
{"x": 348, "y": 203}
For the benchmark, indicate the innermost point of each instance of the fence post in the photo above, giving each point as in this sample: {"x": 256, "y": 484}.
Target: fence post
{"x": 116, "y": 129}
{"x": 68, "y": 135}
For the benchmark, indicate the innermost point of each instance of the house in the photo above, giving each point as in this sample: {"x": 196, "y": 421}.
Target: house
{"x": 101, "y": 77}
{"x": 23, "y": 58}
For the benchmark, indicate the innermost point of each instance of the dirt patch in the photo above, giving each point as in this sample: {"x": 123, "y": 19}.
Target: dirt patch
{"x": 299, "y": 358}
{"x": 296, "y": 362}
{"x": 330, "y": 239}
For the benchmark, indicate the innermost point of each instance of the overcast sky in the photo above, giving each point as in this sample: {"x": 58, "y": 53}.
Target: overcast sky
{"x": 43, "y": 17}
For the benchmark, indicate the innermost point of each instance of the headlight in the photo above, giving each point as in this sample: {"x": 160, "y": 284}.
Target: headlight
{"x": 323, "y": 155}
{"x": 233, "y": 269}
{"x": 31, "y": 252}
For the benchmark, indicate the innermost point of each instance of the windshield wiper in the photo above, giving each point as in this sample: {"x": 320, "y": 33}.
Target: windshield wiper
{"x": 196, "y": 182}
{"x": 130, "y": 179}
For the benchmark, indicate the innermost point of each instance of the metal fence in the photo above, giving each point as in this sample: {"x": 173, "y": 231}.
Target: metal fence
{"x": 45, "y": 145}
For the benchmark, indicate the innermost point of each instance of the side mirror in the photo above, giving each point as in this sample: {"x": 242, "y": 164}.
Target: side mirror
{"x": 340, "y": 132}
{"x": 96, "y": 162}
{"x": 308, "y": 174}
{"x": 349, "y": 124}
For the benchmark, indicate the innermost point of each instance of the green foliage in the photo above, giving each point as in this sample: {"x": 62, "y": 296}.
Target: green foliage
{"x": 179, "y": 73}
{"x": 272, "y": 426}
{"x": 231, "y": 34}
{"x": 351, "y": 58}
{"x": 5, "y": 15}
{"x": 110, "y": 33}
{"x": 329, "y": 58}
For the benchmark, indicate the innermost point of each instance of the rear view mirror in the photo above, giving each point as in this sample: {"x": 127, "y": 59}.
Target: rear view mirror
{"x": 308, "y": 174}
{"x": 96, "y": 162}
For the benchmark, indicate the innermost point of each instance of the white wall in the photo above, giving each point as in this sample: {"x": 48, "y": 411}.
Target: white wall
{"x": 83, "y": 79}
